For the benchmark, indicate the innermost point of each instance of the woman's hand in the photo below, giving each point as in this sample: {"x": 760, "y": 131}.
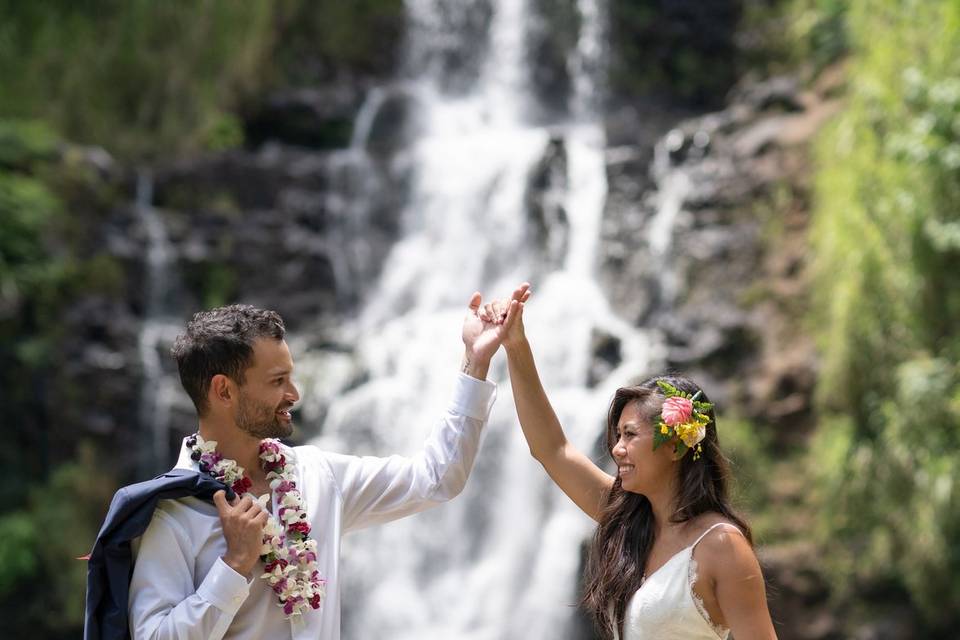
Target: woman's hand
{"x": 509, "y": 312}
{"x": 484, "y": 330}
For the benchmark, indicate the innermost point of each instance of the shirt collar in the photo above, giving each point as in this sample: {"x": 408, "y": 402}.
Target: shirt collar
{"x": 184, "y": 461}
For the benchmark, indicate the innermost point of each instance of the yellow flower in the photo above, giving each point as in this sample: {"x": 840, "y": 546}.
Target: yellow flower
{"x": 691, "y": 433}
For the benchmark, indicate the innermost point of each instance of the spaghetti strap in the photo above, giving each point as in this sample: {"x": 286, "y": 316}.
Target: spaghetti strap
{"x": 704, "y": 534}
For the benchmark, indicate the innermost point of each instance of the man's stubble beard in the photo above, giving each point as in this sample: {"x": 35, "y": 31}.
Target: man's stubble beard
{"x": 260, "y": 421}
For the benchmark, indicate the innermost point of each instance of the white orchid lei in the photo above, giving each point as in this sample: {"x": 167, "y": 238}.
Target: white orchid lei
{"x": 288, "y": 554}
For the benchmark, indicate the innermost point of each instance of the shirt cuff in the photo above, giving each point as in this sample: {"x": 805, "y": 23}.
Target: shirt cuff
{"x": 224, "y": 588}
{"x": 473, "y": 398}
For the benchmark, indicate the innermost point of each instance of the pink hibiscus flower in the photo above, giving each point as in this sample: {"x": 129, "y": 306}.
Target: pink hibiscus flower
{"x": 676, "y": 410}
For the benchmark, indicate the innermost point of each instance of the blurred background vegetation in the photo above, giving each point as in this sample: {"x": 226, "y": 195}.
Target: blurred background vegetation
{"x": 886, "y": 242}
{"x": 145, "y": 80}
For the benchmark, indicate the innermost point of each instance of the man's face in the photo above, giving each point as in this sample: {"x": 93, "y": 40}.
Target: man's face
{"x": 268, "y": 392}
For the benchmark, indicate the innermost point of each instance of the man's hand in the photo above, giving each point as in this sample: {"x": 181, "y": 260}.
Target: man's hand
{"x": 484, "y": 330}
{"x": 243, "y": 523}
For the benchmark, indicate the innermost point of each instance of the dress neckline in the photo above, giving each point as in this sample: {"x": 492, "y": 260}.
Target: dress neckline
{"x": 646, "y": 578}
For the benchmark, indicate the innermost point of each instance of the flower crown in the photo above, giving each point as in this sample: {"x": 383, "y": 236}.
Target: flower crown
{"x": 683, "y": 418}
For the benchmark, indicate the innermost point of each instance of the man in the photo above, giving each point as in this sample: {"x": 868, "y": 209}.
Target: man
{"x": 198, "y": 571}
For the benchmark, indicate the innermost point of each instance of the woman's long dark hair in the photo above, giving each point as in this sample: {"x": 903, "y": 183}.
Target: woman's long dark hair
{"x": 625, "y": 535}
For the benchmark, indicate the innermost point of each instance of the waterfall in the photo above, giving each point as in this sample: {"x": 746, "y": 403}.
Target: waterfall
{"x": 158, "y": 391}
{"x": 674, "y": 186}
{"x": 501, "y": 560}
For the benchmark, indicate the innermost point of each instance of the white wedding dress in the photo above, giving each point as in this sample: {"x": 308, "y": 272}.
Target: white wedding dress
{"x": 665, "y": 606}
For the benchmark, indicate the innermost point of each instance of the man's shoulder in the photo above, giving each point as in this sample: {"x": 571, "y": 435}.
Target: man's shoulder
{"x": 309, "y": 454}
{"x": 174, "y": 492}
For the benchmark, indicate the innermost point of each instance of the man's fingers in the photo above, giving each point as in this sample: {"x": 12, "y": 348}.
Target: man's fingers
{"x": 475, "y": 301}
{"x": 488, "y": 312}
{"x": 245, "y": 504}
{"x": 526, "y": 295}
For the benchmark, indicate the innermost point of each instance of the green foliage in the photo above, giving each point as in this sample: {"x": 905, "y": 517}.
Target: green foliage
{"x": 137, "y": 76}
{"x": 50, "y": 202}
{"x": 27, "y": 207}
{"x": 219, "y": 285}
{"x": 747, "y": 447}
{"x": 145, "y": 78}
{"x": 885, "y": 230}
{"x": 820, "y": 30}
{"x": 24, "y": 142}
{"x": 225, "y": 132}
{"x": 18, "y": 550}
{"x": 41, "y": 581}
{"x": 321, "y": 39}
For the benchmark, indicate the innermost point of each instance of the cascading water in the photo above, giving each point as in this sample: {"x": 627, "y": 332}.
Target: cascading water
{"x": 158, "y": 391}
{"x": 501, "y": 560}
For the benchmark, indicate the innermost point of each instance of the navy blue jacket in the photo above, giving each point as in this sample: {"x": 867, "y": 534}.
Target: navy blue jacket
{"x": 111, "y": 561}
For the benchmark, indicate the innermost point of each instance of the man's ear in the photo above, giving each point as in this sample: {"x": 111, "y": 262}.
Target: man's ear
{"x": 221, "y": 390}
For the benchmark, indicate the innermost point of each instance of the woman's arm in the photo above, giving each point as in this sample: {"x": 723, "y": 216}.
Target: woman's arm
{"x": 582, "y": 480}
{"x": 740, "y": 591}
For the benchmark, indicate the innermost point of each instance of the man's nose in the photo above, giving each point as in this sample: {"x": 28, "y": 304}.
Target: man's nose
{"x": 293, "y": 393}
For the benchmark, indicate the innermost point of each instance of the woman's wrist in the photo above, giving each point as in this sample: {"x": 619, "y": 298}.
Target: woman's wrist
{"x": 516, "y": 346}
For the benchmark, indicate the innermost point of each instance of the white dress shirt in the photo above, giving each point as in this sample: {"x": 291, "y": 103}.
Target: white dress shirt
{"x": 181, "y": 588}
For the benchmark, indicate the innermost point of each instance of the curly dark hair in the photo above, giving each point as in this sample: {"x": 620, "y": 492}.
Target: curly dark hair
{"x": 625, "y": 534}
{"x": 220, "y": 341}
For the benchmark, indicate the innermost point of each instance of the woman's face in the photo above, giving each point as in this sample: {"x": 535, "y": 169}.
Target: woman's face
{"x": 640, "y": 468}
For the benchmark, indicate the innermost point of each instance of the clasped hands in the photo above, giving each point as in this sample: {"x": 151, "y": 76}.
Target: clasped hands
{"x": 489, "y": 325}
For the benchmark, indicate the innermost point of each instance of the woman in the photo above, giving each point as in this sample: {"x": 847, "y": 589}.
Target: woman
{"x": 670, "y": 558}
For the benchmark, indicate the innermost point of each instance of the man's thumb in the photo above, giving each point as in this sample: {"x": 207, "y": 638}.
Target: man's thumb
{"x": 220, "y": 499}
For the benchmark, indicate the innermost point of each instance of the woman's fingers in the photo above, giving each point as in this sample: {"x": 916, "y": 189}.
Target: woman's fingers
{"x": 514, "y": 312}
{"x": 520, "y": 291}
{"x": 498, "y": 310}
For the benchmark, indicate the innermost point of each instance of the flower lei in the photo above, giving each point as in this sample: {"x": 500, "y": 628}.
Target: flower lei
{"x": 683, "y": 418}
{"x": 288, "y": 554}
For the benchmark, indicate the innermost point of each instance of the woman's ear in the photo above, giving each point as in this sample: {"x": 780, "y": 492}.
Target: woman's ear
{"x": 675, "y": 455}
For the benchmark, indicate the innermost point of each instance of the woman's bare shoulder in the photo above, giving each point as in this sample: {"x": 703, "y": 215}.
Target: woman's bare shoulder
{"x": 725, "y": 551}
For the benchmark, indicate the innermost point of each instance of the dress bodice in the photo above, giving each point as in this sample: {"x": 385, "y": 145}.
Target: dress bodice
{"x": 665, "y": 606}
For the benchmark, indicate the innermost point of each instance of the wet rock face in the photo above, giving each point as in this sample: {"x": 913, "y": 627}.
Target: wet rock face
{"x": 285, "y": 228}
{"x": 298, "y": 230}
{"x": 682, "y": 52}
{"x": 551, "y": 41}
{"x": 544, "y": 204}
{"x": 723, "y": 288}
{"x": 93, "y": 391}
{"x": 320, "y": 118}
